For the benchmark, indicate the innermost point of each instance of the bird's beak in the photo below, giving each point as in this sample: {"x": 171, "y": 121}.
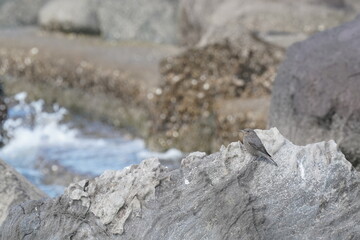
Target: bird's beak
{"x": 242, "y": 131}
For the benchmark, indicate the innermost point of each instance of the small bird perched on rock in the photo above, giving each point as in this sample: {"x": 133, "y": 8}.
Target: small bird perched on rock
{"x": 254, "y": 145}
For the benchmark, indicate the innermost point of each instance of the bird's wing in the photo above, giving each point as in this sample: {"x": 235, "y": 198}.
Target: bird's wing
{"x": 258, "y": 145}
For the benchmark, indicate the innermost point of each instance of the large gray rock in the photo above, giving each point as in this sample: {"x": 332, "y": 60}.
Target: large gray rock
{"x": 355, "y": 4}
{"x": 70, "y": 16}
{"x": 14, "y": 189}
{"x": 199, "y": 19}
{"x": 316, "y": 92}
{"x": 313, "y": 194}
{"x": 126, "y": 20}
{"x": 154, "y": 21}
{"x": 19, "y": 12}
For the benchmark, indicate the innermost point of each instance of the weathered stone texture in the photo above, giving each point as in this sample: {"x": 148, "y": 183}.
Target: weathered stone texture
{"x": 313, "y": 194}
{"x": 14, "y": 189}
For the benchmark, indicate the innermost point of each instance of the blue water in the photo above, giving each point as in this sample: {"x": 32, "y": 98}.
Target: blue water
{"x": 38, "y": 134}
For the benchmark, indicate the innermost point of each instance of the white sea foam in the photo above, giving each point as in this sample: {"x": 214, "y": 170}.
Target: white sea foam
{"x": 172, "y": 154}
{"x": 30, "y": 127}
{"x": 37, "y": 134}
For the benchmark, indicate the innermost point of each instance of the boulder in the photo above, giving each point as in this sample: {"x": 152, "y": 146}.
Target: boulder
{"x": 235, "y": 49}
{"x": 78, "y": 16}
{"x": 355, "y": 4}
{"x": 316, "y": 92}
{"x": 313, "y": 194}
{"x": 14, "y": 189}
{"x": 19, "y": 12}
{"x": 125, "y": 20}
{"x": 200, "y": 18}
{"x": 154, "y": 21}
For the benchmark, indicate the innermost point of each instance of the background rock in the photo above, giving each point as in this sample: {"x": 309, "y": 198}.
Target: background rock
{"x": 199, "y": 18}
{"x": 236, "y": 47}
{"x": 103, "y": 81}
{"x": 154, "y": 21}
{"x": 316, "y": 92}
{"x": 14, "y": 189}
{"x": 199, "y": 87}
{"x": 19, "y": 12}
{"x": 225, "y": 195}
{"x": 70, "y": 16}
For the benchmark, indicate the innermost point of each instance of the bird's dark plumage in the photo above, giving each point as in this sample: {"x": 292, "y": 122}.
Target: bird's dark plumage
{"x": 254, "y": 145}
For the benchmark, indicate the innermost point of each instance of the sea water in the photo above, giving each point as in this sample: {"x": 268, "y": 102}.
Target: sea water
{"x": 38, "y": 134}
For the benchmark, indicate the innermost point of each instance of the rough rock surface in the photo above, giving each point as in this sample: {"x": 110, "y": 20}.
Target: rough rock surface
{"x": 14, "y": 189}
{"x": 154, "y": 21}
{"x": 19, "y": 12}
{"x": 316, "y": 92}
{"x": 313, "y": 194}
{"x": 89, "y": 209}
{"x": 70, "y": 16}
{"x": 199, "y": 19}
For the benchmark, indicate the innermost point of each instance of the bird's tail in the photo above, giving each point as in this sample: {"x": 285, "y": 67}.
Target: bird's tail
{"x": 272, "y": 160}
{"x": 269, "y": 158}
